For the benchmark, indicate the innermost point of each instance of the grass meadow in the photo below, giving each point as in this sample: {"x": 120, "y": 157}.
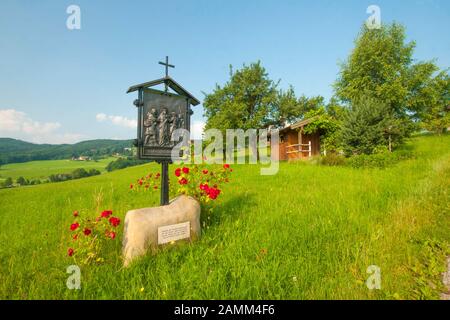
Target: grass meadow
{"x": 43, "y": 169}
{"x": 308, "y": 232}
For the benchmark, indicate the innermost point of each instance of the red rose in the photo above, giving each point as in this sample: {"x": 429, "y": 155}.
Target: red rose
{"x": 112, "y": 235}
{"x": 157, "y": 175}
{"x": 75, "y": 237}
{"x": 155, "y": 187}
{"x": 75, "y": 213}
{"x": 114, "y": 221}
{"x": 70, "y": 252}
{"x": 226, "y": 166}
{"x": 205, "y": 171}
{"x": 183, "y": 181}
{"x": 177, "y": 172}
{"x": 213, "y": 193}
{"x": 141, "y": 182}
{"x": 106, "y": 213}
{"x": 74, "y": 226}
{"x": 87, "y": 231}
{"x": 204, "y": 186}
{"x": 185, "y": 170}
{"x": 131, "y": 186}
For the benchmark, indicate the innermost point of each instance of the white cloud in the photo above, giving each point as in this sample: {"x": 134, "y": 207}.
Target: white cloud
{"x": 16, "y": 121}
{"x": 19, "y": 125}
{"x": 101, "y": 117}
{"x": 117, "y": 120}
{"x": 197, "y": 128}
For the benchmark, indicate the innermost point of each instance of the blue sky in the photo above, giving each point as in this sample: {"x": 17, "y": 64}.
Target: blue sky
{"x": 56, "y": 84}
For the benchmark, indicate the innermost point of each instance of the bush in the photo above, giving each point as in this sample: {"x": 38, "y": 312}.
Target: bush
{"x": 22, "y": 181}
{"x": 93, "y": 172}
{"x": 198, "y": 182}
{"x": 332, "y": 159}
{"x": 8, "y": 183}
{"x": 88, "y": 237}
{"x": 79, "y": 173}
{"x": 35, "y": 182}
{"x": 122, "y": 163}
{"x": 60, "y": 177}
{"x": 378, "y": 160}
{"x": 76, "y": 174}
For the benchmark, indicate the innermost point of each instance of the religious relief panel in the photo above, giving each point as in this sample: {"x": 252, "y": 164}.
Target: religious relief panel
{"x": 161, "y": 115}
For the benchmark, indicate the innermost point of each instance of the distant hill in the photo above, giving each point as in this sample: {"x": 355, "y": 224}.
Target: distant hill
{"x": 12, "y": 150}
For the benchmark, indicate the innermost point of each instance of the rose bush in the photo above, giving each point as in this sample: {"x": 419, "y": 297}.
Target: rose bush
{"x": 88, "y": 236}
{"x": 201, "y": 183}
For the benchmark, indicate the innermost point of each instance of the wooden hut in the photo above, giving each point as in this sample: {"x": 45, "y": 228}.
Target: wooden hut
{"x": 295, "y": 144}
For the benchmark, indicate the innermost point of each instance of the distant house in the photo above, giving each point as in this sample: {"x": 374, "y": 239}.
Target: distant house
{"x": 81, "y": 158}
{"x": 295, "y": 144}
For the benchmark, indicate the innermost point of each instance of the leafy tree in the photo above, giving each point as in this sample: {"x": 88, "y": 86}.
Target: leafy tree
{"x": 22, "y": 181}
{"x": 335, "y": 109}
{"x": 93, "y": 172}
{"x": 8, "y": 182}
{"x": 122, "y": 163}
{"x": 381, "y": 64}
{"x": 310, "y": 104}
{"x": 289, "y": 108}
{"x": 79, "y": 173}
{"x": 370, "y": 126}
{"x": 35, "y": 182}
{"x": 246, "y": 101}
{"x": 60, "y": 177}
{"x": 436, "y": 114}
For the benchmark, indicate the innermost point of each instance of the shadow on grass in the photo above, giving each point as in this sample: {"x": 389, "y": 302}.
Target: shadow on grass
{"x": 225, "y": 212}
{"x": 229, "y": 210}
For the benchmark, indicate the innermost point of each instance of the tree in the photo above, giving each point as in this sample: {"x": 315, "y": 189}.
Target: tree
{"x": 8, "y": 183}
{"x": 22, "y": 181}
{"x": 436, "y": 114}
{"x": 289, "y": 108}
{"x": 122, "y": 163}
{"x": 381, "y": 65}
{"x": 246, "y": 101}
{"x": 370, "y": 126}
{"x": 93, "y": 172}
{"x": 79, "y": 173}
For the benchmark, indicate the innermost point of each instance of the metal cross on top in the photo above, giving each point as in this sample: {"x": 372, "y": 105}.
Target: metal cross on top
{"x": 167, "y": 65}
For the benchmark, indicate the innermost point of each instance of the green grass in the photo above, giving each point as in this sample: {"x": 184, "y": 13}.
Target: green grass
{"x": 322, "y": 227}
{"x": 43, "y": 169}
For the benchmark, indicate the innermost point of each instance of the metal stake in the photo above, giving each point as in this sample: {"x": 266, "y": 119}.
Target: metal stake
{"x": 164, "y": 183}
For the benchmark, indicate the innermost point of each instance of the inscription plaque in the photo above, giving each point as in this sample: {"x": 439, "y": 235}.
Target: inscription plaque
{"x": 174, "y": 232}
